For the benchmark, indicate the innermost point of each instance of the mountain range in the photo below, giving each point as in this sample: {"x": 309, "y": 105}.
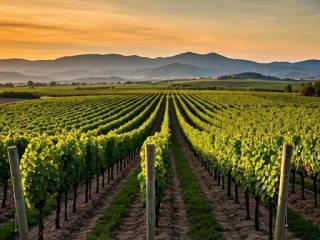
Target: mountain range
{"x": 92, "y": 67}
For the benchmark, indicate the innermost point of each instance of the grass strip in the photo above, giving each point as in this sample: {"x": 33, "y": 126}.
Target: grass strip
{"x": 303, "y": 228}
{"x": 116, "y": 210}
{"x": 199, "y": 212}
{"x": 7, "y": 231}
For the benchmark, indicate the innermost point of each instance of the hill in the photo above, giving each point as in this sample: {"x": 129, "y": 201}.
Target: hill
{"x": 251, "y": 75}
{"x": 185, "y": 65}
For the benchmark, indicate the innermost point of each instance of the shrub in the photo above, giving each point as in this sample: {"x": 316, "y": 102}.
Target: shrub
{"x": 288, "y": 89}
{"x": 308, "y": 90}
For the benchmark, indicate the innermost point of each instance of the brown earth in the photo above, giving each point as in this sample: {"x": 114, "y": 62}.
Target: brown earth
{"x": 132, "y": 225}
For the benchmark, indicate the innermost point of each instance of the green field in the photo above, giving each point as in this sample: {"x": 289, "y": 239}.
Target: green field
{"x": 244, "y": 85}
{"x": 71, "y": 147}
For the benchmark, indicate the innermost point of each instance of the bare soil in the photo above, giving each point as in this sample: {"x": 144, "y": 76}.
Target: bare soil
{"x": 133, "y": 224}
{"x": 173, "y": 222}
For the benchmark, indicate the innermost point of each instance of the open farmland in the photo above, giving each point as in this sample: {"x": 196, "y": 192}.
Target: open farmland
{"x": 218, "y": 153}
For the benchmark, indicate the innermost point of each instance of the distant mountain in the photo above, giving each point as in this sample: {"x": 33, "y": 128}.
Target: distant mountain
{"x": 15, "y": 77}
{"x": 309, "y": 64}
{"x": 71, "y": 74}
{"x": 170, "y": 71}
{"x": 185, "y": 65}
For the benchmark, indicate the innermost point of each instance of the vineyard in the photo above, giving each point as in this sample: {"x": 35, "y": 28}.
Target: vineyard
{"x": 217, "y": 164}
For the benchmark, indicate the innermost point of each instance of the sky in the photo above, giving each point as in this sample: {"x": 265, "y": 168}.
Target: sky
{"x": 261, "y": 30}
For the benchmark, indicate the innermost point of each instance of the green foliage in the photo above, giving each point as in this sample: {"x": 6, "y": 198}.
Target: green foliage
{"x": 40, "y": 171}
{"x": 161, "y": 140}
{"x": 246, "y": 138}
{"x": 7, "y": 231}
{"x": 308, "y": 90}
{"x": 66, "y": 140}
{"x": 55, "y": 161}
{"x": 4, "y": 164}
{"x": 71, "y": 161}
{"x": 288, "y": 89}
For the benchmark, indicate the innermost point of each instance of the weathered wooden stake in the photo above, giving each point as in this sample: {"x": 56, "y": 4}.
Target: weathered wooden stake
{"x": 280, "y": 232}
{"x": 150, "y": 192}
{"x": 18, "y": 195}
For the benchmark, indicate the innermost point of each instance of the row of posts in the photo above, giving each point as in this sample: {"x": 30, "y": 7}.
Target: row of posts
{"x": 280, "y": 232}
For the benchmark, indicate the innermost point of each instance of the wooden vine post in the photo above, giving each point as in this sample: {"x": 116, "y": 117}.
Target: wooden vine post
{"x": 280, "y": 232}
{"x": 18, "y": 195}
{"x": 150, "y": 192}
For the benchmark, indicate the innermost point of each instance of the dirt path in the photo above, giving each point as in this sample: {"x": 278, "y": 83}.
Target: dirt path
{"x": 173, "y": 222}
{"x": 231, "y": 216}
{"x": 81, "y": 222}
{"x": 133, "y": 224}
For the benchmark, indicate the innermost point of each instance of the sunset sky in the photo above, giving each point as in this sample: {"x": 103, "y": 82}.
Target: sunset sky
{"x": 252, "y": 29}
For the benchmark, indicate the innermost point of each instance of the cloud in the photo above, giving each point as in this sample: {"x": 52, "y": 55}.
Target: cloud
{"x": 7, "y": 25}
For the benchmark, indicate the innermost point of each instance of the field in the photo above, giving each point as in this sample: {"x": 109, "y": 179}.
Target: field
{"x": 201, "y": 84}
{"x": 239, "y": 84}
{"x": 83, "y": 161}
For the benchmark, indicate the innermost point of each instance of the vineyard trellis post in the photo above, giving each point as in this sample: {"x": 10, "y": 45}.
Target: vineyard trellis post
{"x": 150, "y": 191}
{"x": 18, "y": 195}
{"x": 280, "y": 232}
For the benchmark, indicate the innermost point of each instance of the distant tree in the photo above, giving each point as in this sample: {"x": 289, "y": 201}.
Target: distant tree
{"x": 30, "y": 83}
{"x": 9, "y": 84}
{"x": 52, "y": 83}
{"x": 308, "y": 90}
{"x": 288, "y": 89}
{"x": 316, "y": 84}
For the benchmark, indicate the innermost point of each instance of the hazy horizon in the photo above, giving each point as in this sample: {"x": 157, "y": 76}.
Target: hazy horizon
{"x": 263, "y": 31}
